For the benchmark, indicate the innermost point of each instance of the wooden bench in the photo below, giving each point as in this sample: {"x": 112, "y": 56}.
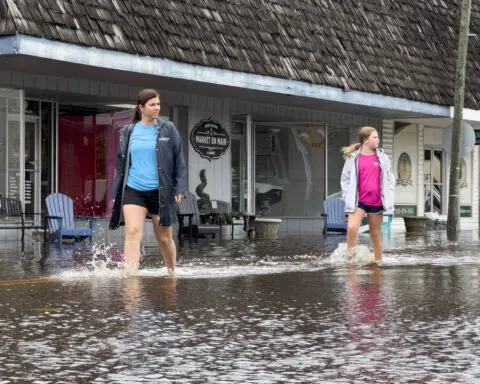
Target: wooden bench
{"x": 223, "y": 208}
{"x": 13, "y": 217}
{"x": 189, "y": 219}
{"x": 223, "y": 214}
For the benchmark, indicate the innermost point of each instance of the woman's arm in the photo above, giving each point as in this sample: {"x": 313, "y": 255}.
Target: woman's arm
{"x": 121, "y": 159}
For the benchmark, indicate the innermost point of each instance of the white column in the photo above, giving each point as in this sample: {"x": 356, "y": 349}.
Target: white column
{"x": 250, "y": 165}
{"x": 419, "y": 165}
{"x": 22, "y": 148}
{"x": 475, "y": 189}
{"x": 388, "y": 133}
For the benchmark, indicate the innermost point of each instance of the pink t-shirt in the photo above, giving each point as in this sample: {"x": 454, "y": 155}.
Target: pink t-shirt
{"x": 369, "y": 180}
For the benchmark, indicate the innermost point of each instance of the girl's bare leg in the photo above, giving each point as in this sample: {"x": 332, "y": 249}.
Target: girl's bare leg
{"x": 354, "y": 220}
{"x": 166, "y": 243}
{"x": 375, "y": 224}
{"x": 134, "y": 216}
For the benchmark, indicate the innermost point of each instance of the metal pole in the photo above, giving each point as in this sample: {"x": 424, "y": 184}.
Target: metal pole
{"x": 453, "y": 218}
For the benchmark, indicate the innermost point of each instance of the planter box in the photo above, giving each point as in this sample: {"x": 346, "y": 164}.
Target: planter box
{"x": 266, "y": 228}
{"x": 415, "y": 224}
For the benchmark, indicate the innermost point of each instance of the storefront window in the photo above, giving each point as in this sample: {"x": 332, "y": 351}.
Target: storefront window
{"x": 10, "y": 110}
{"x": 87, "y": 147}
{"x": 289, "y": 169}
{"x": 339, "y": 136}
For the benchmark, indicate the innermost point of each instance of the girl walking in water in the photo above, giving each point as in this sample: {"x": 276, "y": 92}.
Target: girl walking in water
{"x": 368, "y": 188}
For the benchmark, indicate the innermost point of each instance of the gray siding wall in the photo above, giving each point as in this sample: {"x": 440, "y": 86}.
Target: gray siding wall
{"x": 199, "y": 107}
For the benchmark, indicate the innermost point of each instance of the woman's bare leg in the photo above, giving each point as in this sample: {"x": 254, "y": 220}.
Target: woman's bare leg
{"x": 354, "y": 220}
{"x": 375, "y": 224}
{"x": 165, "y": 242}
{"x": 134, "y": 216}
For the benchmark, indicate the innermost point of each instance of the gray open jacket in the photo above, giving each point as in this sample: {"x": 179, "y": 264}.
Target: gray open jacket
{"x": 172, "y": 173}
{"x": 349, "y": 182}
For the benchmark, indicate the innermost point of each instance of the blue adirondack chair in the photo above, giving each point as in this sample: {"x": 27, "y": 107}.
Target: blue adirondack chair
{"x": 61, "y": 220}
{"x": 334, "y": 216}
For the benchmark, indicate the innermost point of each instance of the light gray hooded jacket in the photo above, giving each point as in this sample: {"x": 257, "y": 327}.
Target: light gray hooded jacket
{"x": 349, "y": 182}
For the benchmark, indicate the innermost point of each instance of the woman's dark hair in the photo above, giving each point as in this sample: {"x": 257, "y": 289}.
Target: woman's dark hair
{"x": 142, "y": 98}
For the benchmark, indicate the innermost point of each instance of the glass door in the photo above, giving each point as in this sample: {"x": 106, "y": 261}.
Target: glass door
{"x": 47, "y": 151}
{"x": 32, "y": 167}
{"x": 433, "y": 180}
{"x": 240, "y": 169}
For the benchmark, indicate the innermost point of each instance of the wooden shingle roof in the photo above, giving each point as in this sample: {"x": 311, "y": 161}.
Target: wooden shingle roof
{"x": 402, "y": 48}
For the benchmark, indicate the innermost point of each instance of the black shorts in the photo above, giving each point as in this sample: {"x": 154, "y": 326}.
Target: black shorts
{"x": 371, "y": 209}
{"x": 146, "y": 199}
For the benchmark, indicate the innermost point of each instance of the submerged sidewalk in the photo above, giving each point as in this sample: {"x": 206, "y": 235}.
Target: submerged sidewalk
{"x": 289, "y": 250}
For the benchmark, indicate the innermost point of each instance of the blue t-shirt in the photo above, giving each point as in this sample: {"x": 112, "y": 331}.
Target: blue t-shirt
{"x": 143, "y": 173}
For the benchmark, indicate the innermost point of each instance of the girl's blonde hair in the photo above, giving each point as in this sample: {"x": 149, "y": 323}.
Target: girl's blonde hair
{"x": 363, "y": 135}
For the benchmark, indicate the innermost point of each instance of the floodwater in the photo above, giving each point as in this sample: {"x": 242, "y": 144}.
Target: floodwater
{"x": 270, "y": 311}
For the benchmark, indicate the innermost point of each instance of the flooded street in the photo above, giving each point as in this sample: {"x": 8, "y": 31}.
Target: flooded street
{"x": 269, "y": 311}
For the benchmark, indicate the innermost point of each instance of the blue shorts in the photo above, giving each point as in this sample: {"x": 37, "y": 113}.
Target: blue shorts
{"x": 371, "y": 209}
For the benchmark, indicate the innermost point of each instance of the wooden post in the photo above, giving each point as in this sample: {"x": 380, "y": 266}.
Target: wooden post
{"x": 453, "y": 217}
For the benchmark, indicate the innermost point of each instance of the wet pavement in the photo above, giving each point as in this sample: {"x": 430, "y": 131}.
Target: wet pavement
{"x": 237, "y": 311}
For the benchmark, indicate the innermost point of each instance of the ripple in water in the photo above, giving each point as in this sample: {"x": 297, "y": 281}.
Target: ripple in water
{"x": 281, "y": 318}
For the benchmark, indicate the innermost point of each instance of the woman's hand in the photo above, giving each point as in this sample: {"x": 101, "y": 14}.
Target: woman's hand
{"x": 179, "y": 198}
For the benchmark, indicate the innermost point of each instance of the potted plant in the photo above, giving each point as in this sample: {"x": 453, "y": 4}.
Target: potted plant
{"x": 415, "y": 224}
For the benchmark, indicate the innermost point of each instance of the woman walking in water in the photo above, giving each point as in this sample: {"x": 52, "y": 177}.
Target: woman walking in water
{"x": 150, "y": 180}
{"x": 367, "y": 188}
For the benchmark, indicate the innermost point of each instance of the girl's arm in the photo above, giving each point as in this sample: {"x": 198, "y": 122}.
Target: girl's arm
{"x": 391, "y": 177}
{"x": 345, "y": 178}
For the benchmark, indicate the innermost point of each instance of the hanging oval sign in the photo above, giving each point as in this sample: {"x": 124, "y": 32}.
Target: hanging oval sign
{"x": 209, "y": 139}
{"x": 404, "y": 170}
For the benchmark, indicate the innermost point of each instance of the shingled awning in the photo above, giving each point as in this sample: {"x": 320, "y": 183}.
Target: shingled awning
{"x": 399, "y": 48}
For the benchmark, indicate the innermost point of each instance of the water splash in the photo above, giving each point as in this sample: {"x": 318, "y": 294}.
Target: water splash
{"x": 103, "y": 260}
{"x": 340, "y": 256}
{"x": 237, "y": 258}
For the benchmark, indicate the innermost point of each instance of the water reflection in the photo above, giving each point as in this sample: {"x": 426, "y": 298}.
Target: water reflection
{"x": 143, "y": 293}
{"x": 364, "y": 297}
{"x": 133, "y": 290}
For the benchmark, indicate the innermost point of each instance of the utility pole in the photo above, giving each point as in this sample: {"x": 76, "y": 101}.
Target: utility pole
{"x": 453, "y": 217}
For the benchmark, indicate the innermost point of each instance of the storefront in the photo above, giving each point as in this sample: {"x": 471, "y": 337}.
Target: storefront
{"x": 27, "y": 147}
{"x": 281, "y": 165}
{"x": 264, "y": 101}
{"x": 279, "y": 160}
{"x": 422, "y": 169}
